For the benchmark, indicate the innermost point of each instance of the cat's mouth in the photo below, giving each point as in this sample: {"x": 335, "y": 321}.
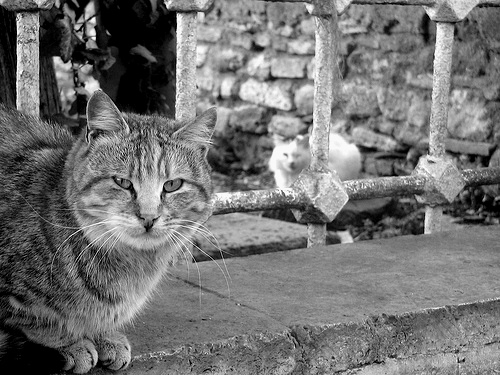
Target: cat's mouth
{"x": 142, "y": 239}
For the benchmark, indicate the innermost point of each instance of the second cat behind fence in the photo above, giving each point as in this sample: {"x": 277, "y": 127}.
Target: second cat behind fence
{"x": 289, "y": 158}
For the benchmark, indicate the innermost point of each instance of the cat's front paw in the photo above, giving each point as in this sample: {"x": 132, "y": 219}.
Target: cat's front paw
{"x": 113, "y": 350}
{"x": 80, "y": 357}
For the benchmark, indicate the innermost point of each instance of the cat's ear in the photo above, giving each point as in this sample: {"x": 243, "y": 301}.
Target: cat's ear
{"x": 278, "y": 140}
{"x": 303, "y": 140}
{"x": 199, "y": 130}
{"x": 103, "y": 116}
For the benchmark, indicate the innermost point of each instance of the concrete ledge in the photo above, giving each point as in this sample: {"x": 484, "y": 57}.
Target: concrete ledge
{"x": 407, "y": 305}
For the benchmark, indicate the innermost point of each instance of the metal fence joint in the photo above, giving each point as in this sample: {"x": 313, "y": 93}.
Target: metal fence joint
{"x": 443, "y": 180}
{"x": 325, "y": 196}
{"x": 321, "y": 7}
{"x": 189, "y": 5}
{"x": 450, "y": 10}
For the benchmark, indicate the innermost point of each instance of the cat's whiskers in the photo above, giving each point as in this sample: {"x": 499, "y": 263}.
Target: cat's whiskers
{"x": 113, "y": 232}
{"x": 198, "y": 228}
{"x": 173, "y": 244}
{"x": 207, "y": 234}
{"x": 184, "y": 248}
{"x": 70, "y": 236}
{"x": 117, "y": 234}
{"x": 225, "y": 274}
{"x": 90, "y": 244}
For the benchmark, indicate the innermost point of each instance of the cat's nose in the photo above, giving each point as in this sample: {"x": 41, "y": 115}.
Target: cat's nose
{"x": 148, "y": 221}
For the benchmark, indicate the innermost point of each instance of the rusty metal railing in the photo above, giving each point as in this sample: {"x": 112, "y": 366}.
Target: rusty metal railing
{"x": 318, "y": 195}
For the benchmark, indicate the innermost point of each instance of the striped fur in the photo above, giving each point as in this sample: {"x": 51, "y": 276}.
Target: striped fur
{"x": 77, "y": 259}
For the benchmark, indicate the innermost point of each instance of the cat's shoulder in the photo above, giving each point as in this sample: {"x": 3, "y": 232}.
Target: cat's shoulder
{"x": 20, "y": 131}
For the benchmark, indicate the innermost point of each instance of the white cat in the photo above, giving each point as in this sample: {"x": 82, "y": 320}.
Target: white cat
{"x": 290, "y": 158}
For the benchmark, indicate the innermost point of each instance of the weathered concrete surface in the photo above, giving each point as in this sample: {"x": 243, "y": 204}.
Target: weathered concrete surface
{"x": 244, "y": 234}
{"x": 407, "y": 305}
{"x": 237, "y": 235}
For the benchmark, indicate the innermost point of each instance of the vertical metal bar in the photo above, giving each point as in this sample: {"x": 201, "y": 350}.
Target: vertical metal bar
{"x": 185, "y": 97}
{"x": 439, "y": 109}
{"x": 28, "y": 62}
{"x": 326, "y": 62}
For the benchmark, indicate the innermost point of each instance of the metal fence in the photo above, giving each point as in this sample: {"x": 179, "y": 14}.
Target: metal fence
{"x": 318, "y": 195}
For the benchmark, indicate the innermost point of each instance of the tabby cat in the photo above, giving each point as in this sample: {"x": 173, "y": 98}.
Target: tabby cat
{"x": 88, "y": 226}
{"x": 290, "y": 158}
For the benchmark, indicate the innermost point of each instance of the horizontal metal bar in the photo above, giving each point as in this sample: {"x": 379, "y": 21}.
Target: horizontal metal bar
{"x": 395, "y": 2}
{"x": 260, "y": 200}
{"x": 495, "y": 3}
{"x": 481, "y": 176}
{"x": 417, "y": 2}
{"x": 257, "y": 200}
{"x": 384, "y": 187}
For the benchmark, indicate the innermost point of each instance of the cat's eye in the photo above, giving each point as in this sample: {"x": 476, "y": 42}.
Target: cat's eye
{"x": 173, "y": 185}
{"x": 123, "y": 183}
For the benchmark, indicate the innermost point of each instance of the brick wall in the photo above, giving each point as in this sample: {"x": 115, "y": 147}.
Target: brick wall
{"x": 256, "y": 63}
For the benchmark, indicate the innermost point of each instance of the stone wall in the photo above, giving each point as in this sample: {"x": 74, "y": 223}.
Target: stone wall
{"x": 256, "y": 63}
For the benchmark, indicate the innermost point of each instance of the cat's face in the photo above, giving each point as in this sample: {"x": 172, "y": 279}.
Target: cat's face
{"x": 293, "y": 156}
{"x": 145, "y": 183}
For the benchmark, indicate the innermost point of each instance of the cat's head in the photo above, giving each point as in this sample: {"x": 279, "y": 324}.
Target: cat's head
{"x": 141, "y": 181}
{"x": 293, "y": 156}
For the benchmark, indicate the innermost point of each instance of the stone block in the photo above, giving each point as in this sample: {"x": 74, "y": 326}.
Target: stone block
{"x": 284, "y": 14}
{"x": 230, "y": 59}
{"x": 304, "y": 99}
{"x": 307, "y": 27}
{"x": 421, "y": 81}
{"x": 229, "y": 86}
{"x": 248, "y": 118}
{"x": 275, "y": 94}
{"x": 206, "y": 79}
{"x": 468, "y": 119}
{"x": 223, "y": 115}
{"x": 279, "y": 43}
{"x": 262, "y": 40}
{"x": 286, "y": 126}
{"x": 419, "y": 112}
{"x": 311, "y": 69}
{"x": 285, "y": 30}
{"x": 243, "y": 40}
{"x": 370, "y": 139}
{"x": 386, "y": 126}
{"x": 209, "y": 34}
{"x": 201, "y": 54}
{"x": 351, "y": 27}
{"x": 470, "y": 59}
{"x": 362, "y": 101}
{"x": 259, "y": 66}
{"x": 289, "y": 66}
{"x": 302, "y": 46}
{"x": 393, "y": 104}
{"x": 468, "y": 147}
{"x": 409, "y": 134}
{"x": 491, "y": 90}
{"x": 402, "y": 43}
